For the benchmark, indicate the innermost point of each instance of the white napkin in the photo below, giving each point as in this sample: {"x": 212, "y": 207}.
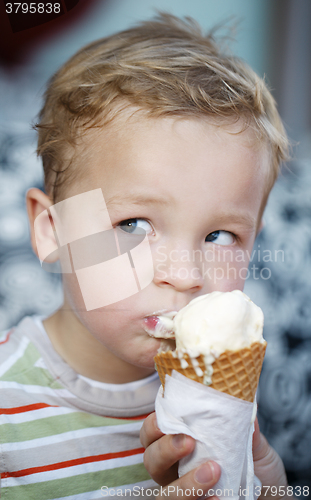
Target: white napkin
{"x": 222, "y": 426}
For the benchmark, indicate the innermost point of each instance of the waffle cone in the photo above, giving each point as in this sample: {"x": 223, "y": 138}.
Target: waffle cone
{"x": 234, "y": 372}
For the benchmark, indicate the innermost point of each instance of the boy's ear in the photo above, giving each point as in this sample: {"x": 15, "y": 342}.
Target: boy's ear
{"x": 42, "y": 235}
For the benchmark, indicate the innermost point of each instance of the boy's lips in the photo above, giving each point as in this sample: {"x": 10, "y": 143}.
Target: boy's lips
{"x": 160, "y": 324}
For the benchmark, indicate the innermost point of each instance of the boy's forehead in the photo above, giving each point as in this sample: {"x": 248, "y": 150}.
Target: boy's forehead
{"x": 134, "y": 121}
{"x": 132, "y": 141}
{"x": 127, "y": 130}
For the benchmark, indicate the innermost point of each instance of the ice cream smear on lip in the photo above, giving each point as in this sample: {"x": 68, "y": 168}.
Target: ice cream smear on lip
{"x": 161, "y": 325}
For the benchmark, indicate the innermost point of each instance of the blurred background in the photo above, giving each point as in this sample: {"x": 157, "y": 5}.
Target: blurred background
{"x": 274, "y": 37}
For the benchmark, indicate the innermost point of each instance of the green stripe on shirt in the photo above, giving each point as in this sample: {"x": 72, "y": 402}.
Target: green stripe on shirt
{"x": 55, "y": 425}
{"x": 75, "y": 485}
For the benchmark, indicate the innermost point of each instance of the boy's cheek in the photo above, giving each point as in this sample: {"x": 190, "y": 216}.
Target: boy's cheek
{"x": 72, "y": 292}
{"x": 225, "y": 269}
{"x": 222, "y": 270}
{"x": 112, "y": 317}
{"x": 224, "y": 277}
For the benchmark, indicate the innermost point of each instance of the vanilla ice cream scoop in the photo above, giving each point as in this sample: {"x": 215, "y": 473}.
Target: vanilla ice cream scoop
{"x": 217, "y": 322}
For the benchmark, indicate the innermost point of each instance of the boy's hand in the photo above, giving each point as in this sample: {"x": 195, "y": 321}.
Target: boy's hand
{"x": 161, "y": 461}
{"x": 269, "y": 468}
{"x": 163, "y": 452}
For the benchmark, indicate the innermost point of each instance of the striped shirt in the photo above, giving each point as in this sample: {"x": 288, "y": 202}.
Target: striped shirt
{"x": 62, "y": 435}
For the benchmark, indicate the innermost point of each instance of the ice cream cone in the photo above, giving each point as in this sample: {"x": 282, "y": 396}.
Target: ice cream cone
{"x": 234, "y": 372}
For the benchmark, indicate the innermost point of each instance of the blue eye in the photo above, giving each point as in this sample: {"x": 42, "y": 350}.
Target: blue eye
{"x": 135, "y": 226}
{"x": 220, "y": 238}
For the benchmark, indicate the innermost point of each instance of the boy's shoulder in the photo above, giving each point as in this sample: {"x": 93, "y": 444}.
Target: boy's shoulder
{"x": 19, "y": 356}
{"x": 11, "y": 338}
{"x": 24, "y": 376}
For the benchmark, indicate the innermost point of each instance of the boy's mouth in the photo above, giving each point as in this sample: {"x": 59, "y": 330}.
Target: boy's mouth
{"x": 160, "y": 324}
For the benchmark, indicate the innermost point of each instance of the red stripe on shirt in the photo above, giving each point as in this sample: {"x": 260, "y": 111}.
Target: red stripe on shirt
{"x": 7, "y": 336}
{"x": 72, "y": 463}
{"x": 138, "y": 417}
{"x": 23, "y": 409}
{"x": 38, "y": 406}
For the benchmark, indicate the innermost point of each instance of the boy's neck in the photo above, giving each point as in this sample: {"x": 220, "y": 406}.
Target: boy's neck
{"x": 85, "y": 354}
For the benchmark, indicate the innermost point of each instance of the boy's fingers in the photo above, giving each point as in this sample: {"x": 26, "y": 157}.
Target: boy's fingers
{"x": 150, "y": 431}
{"x": 256, "y": 436}
{"x": 161, "y": 460}
{"x": 261, "y": 447}
{"x": 194, "y": 484}
{"x": 162, "y": 455}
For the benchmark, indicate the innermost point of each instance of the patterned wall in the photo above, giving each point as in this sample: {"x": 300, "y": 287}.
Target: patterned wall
{"x": 280, "y": 281}
{"x": 24, "y": 287}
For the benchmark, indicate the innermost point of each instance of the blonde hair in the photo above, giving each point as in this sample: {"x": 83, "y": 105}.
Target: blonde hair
{"x": 165, "y": 67}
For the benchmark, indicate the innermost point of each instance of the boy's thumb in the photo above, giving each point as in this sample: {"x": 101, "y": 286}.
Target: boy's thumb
{"x": 261, "y": 447}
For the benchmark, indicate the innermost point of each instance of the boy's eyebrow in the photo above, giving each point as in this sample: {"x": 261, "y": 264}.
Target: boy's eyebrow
{"x": 237, "y": 218}
{"x": 138, "y": 199}
{"x": 221, "y": 218}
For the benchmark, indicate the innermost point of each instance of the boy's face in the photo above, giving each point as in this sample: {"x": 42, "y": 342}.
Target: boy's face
{"x": 198, "y": 191}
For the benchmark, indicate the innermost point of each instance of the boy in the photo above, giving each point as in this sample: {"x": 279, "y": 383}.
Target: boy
{"x": 159, "y": 154}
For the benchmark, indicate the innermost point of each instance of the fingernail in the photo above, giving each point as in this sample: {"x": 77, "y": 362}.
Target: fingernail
{"x": 179, "y": 440}
{"x": 205, "y": 473}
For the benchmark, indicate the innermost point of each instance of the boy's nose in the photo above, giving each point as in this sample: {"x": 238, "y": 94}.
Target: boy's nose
{"x": 178, "y": 271}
